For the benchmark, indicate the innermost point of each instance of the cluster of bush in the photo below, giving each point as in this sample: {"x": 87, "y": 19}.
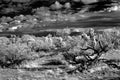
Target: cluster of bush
{"x": 42, "y": 17}
{"x": 80, "y": 51}
{"x": 61, "y": 11}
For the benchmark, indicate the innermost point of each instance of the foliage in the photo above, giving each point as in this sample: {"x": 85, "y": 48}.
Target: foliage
{"x": 81, "y": 51}
{"x": 91, "y": 46}
{"x": 13, "y": 54}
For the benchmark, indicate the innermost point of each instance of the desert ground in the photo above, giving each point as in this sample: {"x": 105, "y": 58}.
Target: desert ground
{"x": 59, "y": 40}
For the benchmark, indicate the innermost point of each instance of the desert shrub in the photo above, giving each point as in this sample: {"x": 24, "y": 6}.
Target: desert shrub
{"x": 38, "y": 44}
{"x": 4, "y": 41}
{"x": 113, "y": 37}
{"x": 84, "y": 49}
{"x": 42, "y": 44}
{"x": 27, "y": 38}
{"x": 90, "y": 46}
{"x": 99, "y": 44}
{"x": 14, "y": 54}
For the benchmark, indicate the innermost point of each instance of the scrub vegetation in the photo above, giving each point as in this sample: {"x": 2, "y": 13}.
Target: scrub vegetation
{"x": 59, "y": 40}
{"x": 76, "y": 54}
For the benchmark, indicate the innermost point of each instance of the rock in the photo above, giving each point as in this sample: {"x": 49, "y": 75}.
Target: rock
{"x": 50, "y": 72}
{"x": 71, "y": 67}
{"x": 67, "y": 5}
{"x": 56, "y": 6}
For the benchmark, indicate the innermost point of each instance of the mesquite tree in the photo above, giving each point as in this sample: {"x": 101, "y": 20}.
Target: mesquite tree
{"x": 91, "y": 46}
{"x": 95, "y": 46}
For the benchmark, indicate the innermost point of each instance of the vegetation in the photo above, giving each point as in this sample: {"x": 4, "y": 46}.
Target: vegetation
{"x": 63, "y": 53}
{"x": 81, "y": 51}
{"x": 28, "y": 51}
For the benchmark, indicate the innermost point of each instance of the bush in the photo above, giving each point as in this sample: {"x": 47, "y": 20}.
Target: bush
{"x": 84, "y": 49}
{"x": 13, "y": 54}
{"x": 91, "y": 46}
